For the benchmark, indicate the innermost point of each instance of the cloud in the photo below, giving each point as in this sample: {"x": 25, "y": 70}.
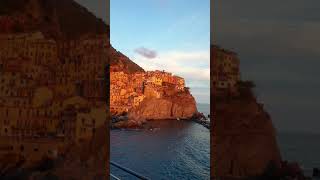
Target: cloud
{"x": 147, "y": 53}
{"x": 194, "y": 66}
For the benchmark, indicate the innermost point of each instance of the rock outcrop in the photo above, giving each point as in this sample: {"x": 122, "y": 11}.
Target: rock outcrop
{"x": 244, "y": 139}
{"x": 181, "y": 106}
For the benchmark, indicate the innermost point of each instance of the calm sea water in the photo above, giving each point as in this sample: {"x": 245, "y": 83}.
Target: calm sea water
{"x": 173, "y": 150}
{"x": 303, "y": 148}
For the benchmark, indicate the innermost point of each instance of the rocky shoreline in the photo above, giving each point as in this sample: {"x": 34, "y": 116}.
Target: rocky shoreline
{"x": 179, "y": 106}
{"x": 123, "y": 121}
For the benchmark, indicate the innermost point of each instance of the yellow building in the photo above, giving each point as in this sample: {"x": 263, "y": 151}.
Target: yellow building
{"x": 137, "y": 100}
{"x": 155, "y": 80}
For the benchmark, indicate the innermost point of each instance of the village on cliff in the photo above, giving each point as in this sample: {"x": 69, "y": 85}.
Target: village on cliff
{"x": 52, "y": 93}
{"x": 129, "y": 90}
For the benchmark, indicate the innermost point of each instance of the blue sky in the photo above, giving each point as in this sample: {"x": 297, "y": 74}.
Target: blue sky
{"x": 177, "y": 32}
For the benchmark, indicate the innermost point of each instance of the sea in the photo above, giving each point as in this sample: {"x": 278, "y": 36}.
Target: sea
{"x": 301, "y": 147}
{"x": 170, "y": 150}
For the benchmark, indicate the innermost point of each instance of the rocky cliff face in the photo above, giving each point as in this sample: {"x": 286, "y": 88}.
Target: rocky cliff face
{"x": 181, "y": 106}
{"x": 244, "y": 139}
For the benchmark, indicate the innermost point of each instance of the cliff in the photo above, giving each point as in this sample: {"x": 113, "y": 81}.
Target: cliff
{"x": 244, "y": 139}
{"x": 180, "y": 106}
{"x": 146, "y": 95}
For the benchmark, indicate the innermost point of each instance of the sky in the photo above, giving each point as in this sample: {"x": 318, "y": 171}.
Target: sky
{"x": 101, "y": 8}
{"x": 169, "y": 35}
{"x": 278, "y": 45}
{"x": 165, "y": 35}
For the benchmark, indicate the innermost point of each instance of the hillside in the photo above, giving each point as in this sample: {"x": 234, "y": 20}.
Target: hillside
{"x": 55, "y": 18}
{"x": 55, "y": 154}
{"x": 120, "y": 62}
{"x": 59, "y": 20}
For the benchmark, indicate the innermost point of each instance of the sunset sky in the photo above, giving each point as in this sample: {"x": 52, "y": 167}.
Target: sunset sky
{"x": 163, "y": 35}
{"x": 166, "y": 35}
{"x": 169, "y": 35}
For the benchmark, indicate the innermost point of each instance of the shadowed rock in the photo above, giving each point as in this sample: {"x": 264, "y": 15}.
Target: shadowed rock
{"x": 244, "y": 139}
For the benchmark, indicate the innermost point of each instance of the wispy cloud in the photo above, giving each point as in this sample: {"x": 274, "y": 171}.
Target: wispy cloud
{"x": 194, "y": 66}
{"x": 147, "y": 53}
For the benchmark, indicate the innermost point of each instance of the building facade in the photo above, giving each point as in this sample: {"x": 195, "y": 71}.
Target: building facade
{"x": 52, "y": 92}
{"x": 226, "y": 73}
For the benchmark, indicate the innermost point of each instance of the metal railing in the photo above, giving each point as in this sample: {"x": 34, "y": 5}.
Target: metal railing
{"x": 114, "y": 177}
{"x": 127, "y": 170}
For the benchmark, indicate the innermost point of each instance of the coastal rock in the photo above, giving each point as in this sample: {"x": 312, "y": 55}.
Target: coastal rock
{"x": 131, "y": 124}
{"x": 244, "y": 139}
{"x": 182, "y": 106}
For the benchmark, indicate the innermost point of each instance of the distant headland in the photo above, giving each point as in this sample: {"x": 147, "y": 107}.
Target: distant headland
{"x": 137, "y": 96}
{"x": 243, "y": 136}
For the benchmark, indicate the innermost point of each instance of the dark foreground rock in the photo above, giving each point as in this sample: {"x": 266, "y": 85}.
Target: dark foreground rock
{"x": 244, "y": 139}
{"x": 128, "y": 124}
{"x": 200, "y": 118}
{"x": 287, "y": 171}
